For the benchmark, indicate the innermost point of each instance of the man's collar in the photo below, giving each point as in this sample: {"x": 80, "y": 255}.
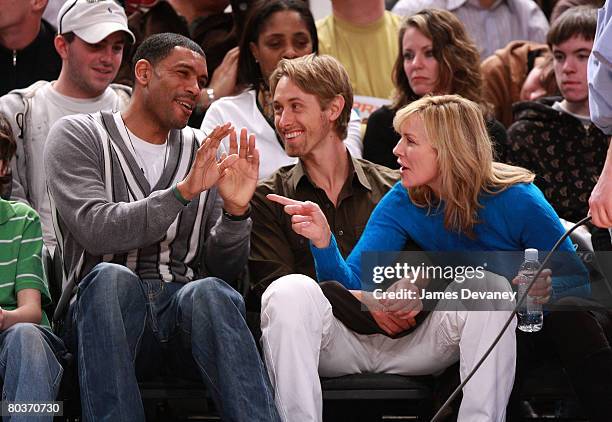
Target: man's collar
{"x": 6, "y": 211}
{"x": 298, "y": 172}
{"x": 356, "y": 168}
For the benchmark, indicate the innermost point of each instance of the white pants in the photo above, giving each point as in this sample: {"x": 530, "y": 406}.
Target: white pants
{"x": 302, "y": 339}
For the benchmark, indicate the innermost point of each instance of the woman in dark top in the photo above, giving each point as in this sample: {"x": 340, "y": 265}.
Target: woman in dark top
{"x": 436, "y": 56}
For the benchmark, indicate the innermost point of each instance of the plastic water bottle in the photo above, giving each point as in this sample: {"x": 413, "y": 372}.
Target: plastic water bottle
{"x": 530, "y": 316}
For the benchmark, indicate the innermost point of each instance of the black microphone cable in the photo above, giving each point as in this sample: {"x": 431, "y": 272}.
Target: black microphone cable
{"x": 514, "y": 312}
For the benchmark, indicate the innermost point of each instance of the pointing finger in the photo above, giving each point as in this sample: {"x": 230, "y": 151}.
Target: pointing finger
{"x": 283, "y": 200}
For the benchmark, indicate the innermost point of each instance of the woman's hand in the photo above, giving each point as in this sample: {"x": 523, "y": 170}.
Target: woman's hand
{"x": 542, "y": 288}
{"x": 307, "y": 220}
{"x": 410, "y": 305}
{"x": 224, "y": 77}
{"x": 390, "y": 321}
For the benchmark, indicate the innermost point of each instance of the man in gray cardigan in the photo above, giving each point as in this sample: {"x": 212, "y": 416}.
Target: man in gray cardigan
{"x": 150, "y": 223}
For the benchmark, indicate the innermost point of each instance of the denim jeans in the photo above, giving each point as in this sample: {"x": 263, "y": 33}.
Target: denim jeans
{"x": 29, "y": 366}
{"x": 125, "y": 327}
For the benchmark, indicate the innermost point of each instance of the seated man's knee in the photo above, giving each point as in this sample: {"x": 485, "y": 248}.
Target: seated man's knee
{"x": 110, "y": 293}
{"x": 110, "y": 278}
{"x": 289, "y": 292}
{"x": 212, "y": 292}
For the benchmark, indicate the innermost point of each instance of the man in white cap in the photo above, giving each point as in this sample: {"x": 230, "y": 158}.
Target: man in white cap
{"x": 91, "y": 38}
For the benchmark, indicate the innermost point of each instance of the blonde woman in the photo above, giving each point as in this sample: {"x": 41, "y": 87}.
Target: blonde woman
{"x": 452, "y": 197}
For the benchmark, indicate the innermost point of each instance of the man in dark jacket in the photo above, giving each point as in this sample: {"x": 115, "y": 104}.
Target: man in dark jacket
{"x": 27, "y": 53}
{"x": 554, "y": 137}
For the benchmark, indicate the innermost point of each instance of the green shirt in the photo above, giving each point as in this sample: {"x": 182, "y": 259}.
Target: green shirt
{"x": 20, "y": 255}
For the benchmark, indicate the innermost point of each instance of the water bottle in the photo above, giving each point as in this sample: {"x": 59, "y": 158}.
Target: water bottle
{"x": 530, "y": 316}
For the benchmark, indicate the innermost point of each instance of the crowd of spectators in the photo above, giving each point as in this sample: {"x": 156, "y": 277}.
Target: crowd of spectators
{"x": 185, "y": 161}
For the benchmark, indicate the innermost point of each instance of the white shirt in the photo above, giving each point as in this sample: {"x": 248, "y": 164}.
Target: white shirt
{"x": 151, "y": 158}
{"x": 60, "y": 105}
{"x": 242, "y": 111}
{"x": 51, "y": 104}
{"x": 492, "y": 28}
{"x": 584, "y": 119}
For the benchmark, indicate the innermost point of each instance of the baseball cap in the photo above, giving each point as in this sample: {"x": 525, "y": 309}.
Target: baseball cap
{"x": 92, "y": 20}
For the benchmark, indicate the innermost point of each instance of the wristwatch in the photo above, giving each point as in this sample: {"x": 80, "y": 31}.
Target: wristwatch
{"x": 242, "y": 217}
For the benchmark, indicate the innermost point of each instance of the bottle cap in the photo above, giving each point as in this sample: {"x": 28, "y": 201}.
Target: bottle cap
{"x": 531, "y": 254}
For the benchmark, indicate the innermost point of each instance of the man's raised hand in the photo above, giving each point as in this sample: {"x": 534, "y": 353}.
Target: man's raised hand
{"x": 238, "y": 182}
{"x": 206, "y": 170}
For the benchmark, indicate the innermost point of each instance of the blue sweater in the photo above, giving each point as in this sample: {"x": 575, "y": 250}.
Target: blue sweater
{"x": 512, "y": 220}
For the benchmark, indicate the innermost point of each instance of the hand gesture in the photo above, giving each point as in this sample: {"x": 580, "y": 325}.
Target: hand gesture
{"x": 307, "y": 220}
{"x": 541, "y": 289}
{"x": 239, "y": 181}
{"x": 206, "y": 170}
{"x": 224, "y": 77}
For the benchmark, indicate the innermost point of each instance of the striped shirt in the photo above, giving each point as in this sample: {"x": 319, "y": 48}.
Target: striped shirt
{"x": 105, "y": 209}
{"x": 492, "y": 28}
{"x": 20, "y": 255}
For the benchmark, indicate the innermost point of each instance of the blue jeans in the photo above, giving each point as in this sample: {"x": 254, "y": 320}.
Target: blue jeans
{"x": 29, "y": 366}
{"x": 125, "y": 327}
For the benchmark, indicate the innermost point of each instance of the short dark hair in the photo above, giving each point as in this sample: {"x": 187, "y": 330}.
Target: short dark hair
{"x": 575, "y": 21}
{"x": 249, "y": 72}
{"x": 158, "y": 46}
{"x": 7, "y": 141}
{"x": 68, "y": 36}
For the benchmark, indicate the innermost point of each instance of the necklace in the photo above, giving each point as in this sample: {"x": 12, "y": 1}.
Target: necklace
{"x": 139, "y": 158}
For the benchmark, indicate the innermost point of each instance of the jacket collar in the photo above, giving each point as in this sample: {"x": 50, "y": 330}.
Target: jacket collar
{"x": 356, "y": 169}
{"x": 6, "y": 211}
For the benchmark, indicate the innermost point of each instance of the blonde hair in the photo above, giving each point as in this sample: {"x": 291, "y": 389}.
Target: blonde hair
{"x": 322, "y": 76}
{"x": 457, "y": 131}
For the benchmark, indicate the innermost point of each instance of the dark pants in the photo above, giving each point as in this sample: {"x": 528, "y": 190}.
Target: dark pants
{"x": 580, "y": 340}
{"x": 122, "y": 326}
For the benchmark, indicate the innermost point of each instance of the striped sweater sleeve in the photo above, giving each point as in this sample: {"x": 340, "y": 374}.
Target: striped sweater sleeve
{"x": 74, "y": 166}
{"x": 29, "y": 272}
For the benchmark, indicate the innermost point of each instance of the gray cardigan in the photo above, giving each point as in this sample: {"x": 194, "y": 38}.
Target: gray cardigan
{"x": 105, "y": 209}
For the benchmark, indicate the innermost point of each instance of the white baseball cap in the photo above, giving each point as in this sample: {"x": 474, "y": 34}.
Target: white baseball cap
{"x": 92, "y": 20}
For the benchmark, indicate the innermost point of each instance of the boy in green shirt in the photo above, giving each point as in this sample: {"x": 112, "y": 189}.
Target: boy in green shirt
{"x": 29, "y": 367}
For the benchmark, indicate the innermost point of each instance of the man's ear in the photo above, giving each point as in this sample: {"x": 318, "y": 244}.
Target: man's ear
{"x": 61, "y": 46}
{"x": 335, "y": 107}
{"x": 143, "y": 72}
{"x": 38, "y": 6}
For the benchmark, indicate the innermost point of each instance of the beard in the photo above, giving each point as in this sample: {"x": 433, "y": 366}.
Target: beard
{"x": 77, "y": 78}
